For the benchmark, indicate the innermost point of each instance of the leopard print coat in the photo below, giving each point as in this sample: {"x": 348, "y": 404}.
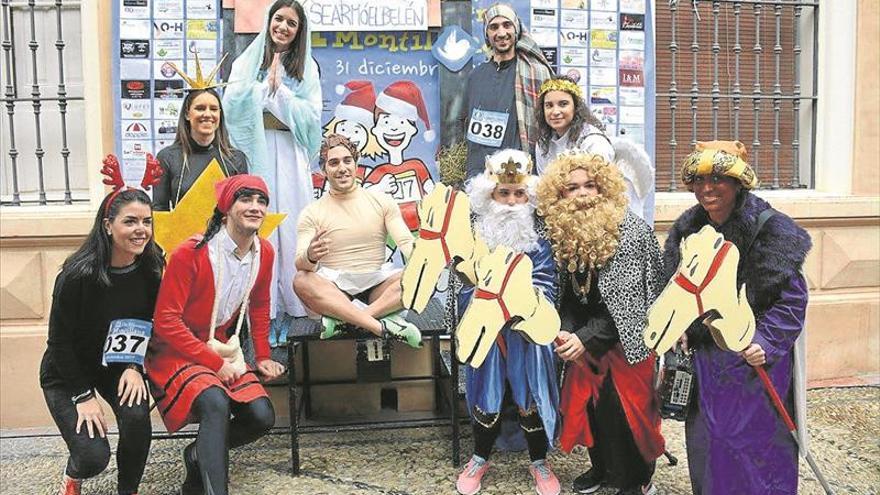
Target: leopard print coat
{"x": 629, "y": 283}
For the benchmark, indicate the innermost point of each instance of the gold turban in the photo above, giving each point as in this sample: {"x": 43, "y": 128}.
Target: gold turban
{"x": 722, "y": 158}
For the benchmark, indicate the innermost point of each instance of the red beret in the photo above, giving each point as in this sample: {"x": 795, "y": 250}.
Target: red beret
{"x": 226, "y": 189}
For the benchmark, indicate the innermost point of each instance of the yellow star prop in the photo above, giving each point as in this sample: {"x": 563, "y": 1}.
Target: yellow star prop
{"x": 191, "y": 215}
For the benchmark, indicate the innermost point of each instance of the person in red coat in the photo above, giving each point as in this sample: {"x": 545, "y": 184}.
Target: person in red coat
{"x": 195, "y": 364}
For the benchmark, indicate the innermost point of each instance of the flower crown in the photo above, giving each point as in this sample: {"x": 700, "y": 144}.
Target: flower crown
{"x": 561, "y": 85}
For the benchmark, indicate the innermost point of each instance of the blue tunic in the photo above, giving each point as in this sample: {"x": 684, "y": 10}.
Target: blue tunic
{"x": 529, "y": 369}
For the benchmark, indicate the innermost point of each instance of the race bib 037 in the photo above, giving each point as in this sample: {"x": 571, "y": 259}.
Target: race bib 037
{"x": 127, "y": 341}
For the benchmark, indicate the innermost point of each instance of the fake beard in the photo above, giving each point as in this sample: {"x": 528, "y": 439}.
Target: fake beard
{"x": 511, "y": 226}
{"x": 585, "y": 231}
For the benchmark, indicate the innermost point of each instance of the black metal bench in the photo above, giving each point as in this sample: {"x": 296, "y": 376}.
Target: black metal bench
{"x": 431, "y": 325}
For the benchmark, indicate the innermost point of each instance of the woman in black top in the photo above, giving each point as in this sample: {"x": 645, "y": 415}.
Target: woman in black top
{"x": 201, "y": 137}
{"x": 114, "y": 275}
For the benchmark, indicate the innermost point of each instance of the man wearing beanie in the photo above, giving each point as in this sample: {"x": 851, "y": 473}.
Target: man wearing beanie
{"x": 502, "y": 93}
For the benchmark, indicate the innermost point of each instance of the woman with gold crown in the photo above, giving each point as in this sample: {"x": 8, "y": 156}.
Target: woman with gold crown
{"x": 273, "y": 104}
{"x": 566, "y": 124}
{"x": 201, "y": 137}
{"x": 736, "y": 441}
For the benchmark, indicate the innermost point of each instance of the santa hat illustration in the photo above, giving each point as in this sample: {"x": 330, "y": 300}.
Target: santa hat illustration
{"x": 358, "y": 104}
{"x": 405, "y": 99}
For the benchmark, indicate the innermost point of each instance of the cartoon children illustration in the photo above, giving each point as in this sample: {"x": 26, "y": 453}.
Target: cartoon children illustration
{"x": 398, "y": 108}
{"x": 352, "y": 118}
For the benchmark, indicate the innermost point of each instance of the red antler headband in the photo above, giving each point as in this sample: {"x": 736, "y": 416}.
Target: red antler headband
{"x": 113, "y": 173}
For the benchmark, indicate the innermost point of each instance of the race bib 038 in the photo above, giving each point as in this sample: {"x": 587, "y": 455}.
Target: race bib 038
{"x": 127, "y": 341}
{"x": 487, "y": 127}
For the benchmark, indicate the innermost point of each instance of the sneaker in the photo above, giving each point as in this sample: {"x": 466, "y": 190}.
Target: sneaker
{"x": 70, "y": 486}
{"x": 192, "y": 484}
{"x": 394, "y": 325}
{"x": 329, "y": 325}
{"x": 546, "y": 482}
{"x": 648, "y": 489}
{"x": 469, "y": 481}
{"x": 589, "y": 482}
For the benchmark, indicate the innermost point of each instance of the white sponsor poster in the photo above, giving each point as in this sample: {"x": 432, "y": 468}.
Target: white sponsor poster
{"x": 136, "y": 109}
{"x": 134, "y": 29}
{"x": 164, "y": 69}
{"x": 168, "y": 49}
{"x": 632, "y": 6}
{"x": 606, "y": 5}
{"x": 573, "y": 56}
{"x": 201, "y": 9}
{"x": 206, "y": 49}
{"x": 575, "y": 37}
{"x": 366, "y": 15}
{"x": 603, "y": 58}
{"x": 632, "y": 40}
{"x": 167, "y": 109}
{"x": 136, "y": 129}
{"x": 134, "y": 69}
{"x": 632, "y": 96}
{"x": 603, "y": 20}
{"x": 545, "y": 17}
{"x": 632, "y": 115}
{"x": 168, "y": 29}
{"x": 574, "y": 19}
{"x": 602, "y": 76}
{"x": 167, "y": 9}
{"x": 545, "y": 36}
{"x": 134, "y": 9}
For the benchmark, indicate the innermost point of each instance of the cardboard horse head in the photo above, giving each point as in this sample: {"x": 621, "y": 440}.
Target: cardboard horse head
{"x": 704, "y": 287}
{"x": 504, "y": 292}
{"x": 445, "y": 235}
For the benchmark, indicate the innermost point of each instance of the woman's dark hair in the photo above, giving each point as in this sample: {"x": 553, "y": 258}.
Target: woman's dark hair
{"x": 92, "y": 260}
{"x": 582, "y": 117}
{"x": 184, "y": 129}
{"x": 294, "y": 59}
{"x": 216, "y": 220}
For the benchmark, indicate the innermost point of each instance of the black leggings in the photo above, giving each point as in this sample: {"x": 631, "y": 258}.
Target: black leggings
{"x": 532, "y": 426}
{"x": 218, "y": 433}
{"x": 90, "y": 456}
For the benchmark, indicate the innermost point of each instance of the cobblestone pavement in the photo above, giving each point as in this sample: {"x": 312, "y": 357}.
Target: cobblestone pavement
{"x": 844, "y": 425}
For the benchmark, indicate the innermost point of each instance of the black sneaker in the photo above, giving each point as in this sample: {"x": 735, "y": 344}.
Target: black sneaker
{"x": 192, "y": 485}
{"x": 589, "y": 482}
{"x": 648, "y": 489}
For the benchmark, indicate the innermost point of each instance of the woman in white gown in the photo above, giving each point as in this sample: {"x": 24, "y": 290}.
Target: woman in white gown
{"x": 273, "y": 110}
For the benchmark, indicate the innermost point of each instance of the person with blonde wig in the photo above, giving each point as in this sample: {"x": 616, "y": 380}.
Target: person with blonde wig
{"x": 610, "y": 271}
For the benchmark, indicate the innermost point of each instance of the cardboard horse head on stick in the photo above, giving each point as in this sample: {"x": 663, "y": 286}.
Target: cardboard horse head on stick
{"x": 704, "y": 287}
{"x": 445, "y": 237}
{"x": 504, "y": 293}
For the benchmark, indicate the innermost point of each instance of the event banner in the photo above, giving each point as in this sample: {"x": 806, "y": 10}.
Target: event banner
{"x": 606, "y": 47}
{"x": 366, "y": 15}
{"x": 382, "y": 91}
{"x": 151, "y": 35}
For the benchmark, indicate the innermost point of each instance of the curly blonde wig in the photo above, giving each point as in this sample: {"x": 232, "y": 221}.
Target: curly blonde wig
{"x": 585, "y": 231}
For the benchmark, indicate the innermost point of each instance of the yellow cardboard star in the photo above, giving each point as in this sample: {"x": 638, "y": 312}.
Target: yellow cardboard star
{"x": 191, "y": 214}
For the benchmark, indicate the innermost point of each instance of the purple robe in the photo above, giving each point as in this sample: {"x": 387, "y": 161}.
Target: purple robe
{"x": 736, "y": 441}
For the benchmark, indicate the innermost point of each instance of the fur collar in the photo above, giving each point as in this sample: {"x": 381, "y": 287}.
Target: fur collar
{"x": 777, "y": 254}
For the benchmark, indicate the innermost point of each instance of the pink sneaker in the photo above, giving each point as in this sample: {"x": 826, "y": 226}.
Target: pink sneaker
{"x": 70, "y": 486}
{"x": 546, "y": 482}
{"x": 469, "y": 480}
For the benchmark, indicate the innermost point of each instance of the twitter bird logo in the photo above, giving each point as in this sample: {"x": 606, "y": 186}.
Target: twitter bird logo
{"x": 455, "y": 47}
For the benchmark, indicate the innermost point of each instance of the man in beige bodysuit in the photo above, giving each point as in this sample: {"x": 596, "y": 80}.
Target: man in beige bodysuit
{"x": 342, "y": 273}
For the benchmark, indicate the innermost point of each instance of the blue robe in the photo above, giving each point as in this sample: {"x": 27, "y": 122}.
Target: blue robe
{"x": 529, "y": 369}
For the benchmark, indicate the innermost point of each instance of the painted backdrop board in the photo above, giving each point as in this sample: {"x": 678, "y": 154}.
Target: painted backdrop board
{"x": 398, "y": 150}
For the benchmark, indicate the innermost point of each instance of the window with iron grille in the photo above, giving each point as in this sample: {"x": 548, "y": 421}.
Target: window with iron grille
{"x": 741, "y": 70}
{"x": 42, "y": 136}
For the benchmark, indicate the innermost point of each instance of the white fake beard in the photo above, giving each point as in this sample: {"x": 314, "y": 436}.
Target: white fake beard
{"x": 511, "y": 226}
